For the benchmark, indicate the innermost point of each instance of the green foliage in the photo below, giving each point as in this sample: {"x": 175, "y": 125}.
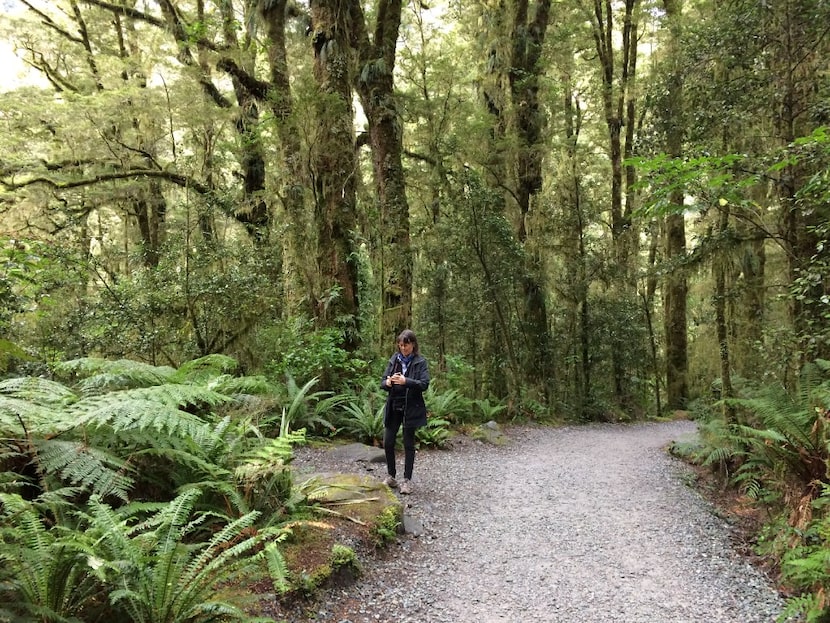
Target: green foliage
{"x": 45, "y": 573}
{"x": 94, "y": 375}
{"x": 200, "y": 299}
{"x": 475, "y": 317}
{"x": 385, "y": 528}
{"x": 787, "y": 435}
{"x": 305, "y": 409}
{"x": 779, "y": 440}
{"x": 159, "y": 569}
{"x": 120, "y": 437}
{"x": 487, "y": 410}
{"x": 450, "y": 405}
{"x": 436, "y": 433}
{"x": 777, "y": 449}
{"x": 362, "y": 417}
{"x": 805, "y": 564}
{"x": 296, "y": 350}
{"x": 20, "y": 264}
{"x": 277, "y": 568}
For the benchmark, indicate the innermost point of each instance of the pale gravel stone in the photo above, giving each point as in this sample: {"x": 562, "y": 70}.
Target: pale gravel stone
{"x": 590, "y": 524}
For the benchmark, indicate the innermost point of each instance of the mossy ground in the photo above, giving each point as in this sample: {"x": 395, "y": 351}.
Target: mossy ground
{"x": 357, "y": 515}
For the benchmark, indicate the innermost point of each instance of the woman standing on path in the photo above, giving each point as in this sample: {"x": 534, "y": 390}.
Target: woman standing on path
{"x": 406, "y": 378}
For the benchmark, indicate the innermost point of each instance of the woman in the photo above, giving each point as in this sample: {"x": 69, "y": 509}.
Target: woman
{"x": 406, "y": 378}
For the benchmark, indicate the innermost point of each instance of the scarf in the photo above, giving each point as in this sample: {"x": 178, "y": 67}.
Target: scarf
{"x": 405, "y": 361}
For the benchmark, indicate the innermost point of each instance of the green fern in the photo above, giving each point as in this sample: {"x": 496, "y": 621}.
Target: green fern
{"x": 205, "y": 368}
{"x": 20, "y": 418}
{"x": 154, "y": 408}
{"x": 788, "y": 435}
{"x": 277, "y": 568}
{"x": 489, "y": 411}
{"x": 436, "y": 433}
{"x": 157, "y": 576}
{"x": 95, "y": 376}
{"x": 38, "y": 391}
{"x": 363, "y": 422}
{"x": 805, "y": 566}
{"x": 47, "y": 575}
{"x": 306, "y": 409}
{"x": 81, "y": 465}
{"x": 450, "y": 405}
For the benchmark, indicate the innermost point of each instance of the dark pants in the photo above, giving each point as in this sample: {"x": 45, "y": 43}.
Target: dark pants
{"x": 394, "y": 420}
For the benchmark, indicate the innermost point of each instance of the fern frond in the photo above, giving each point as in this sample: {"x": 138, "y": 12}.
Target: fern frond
{"x": 265, "y": 460}
{"x": 178, "y": 395}
{"x": 101, "y": 375}
{"x": 156, "y": 408}
{"x": 37, "y": 390}
{"x": 163, "y": 577}
{"x": 85, "y": 466}
{"x": 49, "y": 576}
{"x": 203, "y": 368}
{"x": 19, "y": 416}
{"x": 140, "y": 415}
{"x": 222, "y": 548}
{"x": 277, "y": 568}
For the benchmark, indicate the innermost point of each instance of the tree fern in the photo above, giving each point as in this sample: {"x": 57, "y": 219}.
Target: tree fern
{"x": 95, "y": 376}
{"x": 37, "y": 390}
{"x": 204, "y": 368}
{"x": 20, "y": 418}
{"x": 79, "y": 464}
{"x": 155, "y": 408}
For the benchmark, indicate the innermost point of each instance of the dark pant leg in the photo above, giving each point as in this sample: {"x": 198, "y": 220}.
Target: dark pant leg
{"x": 390, "y": 434}
{"x": 408, "y": 451}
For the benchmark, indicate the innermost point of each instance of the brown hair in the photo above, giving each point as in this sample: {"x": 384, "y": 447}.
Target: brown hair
{"x": 407, "y": 336}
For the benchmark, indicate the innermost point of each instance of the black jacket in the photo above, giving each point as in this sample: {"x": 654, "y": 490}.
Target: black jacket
{"x": 411, "y": 394}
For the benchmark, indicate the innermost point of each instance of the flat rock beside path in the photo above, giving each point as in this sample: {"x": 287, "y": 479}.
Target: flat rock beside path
{"x": 590, "y": 524}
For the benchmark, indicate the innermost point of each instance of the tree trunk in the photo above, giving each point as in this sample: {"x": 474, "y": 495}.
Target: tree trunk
{"x": 618, "y": 99}
{"x": 292, "y": 195}
{"x": 528, "y": 37}
{"x": 335, "y": 166}
{"x": 375, "y": 86}
{"x": 720, "y": 269}
{"x": 798, "y": 52}
{"x": 675, "y": 288}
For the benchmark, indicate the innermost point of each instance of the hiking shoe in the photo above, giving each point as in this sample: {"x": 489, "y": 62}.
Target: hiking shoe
{"x": 390, "y": 482}
{"x": 406, "y": 487}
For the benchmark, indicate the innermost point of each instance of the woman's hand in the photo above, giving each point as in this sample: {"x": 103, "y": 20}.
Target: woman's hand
{"x": 397, "y": 379}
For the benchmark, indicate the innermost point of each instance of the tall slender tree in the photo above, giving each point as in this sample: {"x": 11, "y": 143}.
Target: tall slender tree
{"x": 675, "y": 288}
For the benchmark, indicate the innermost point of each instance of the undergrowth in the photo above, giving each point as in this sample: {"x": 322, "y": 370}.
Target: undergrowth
{"x": 773, "y": 446}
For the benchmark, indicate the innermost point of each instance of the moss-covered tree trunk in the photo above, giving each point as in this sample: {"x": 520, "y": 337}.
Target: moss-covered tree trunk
{"x": 375, "y": 85}
{"x": 334, "y": 164}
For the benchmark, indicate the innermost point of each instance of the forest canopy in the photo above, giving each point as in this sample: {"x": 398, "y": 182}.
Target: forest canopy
{"x": 591, "y": 208}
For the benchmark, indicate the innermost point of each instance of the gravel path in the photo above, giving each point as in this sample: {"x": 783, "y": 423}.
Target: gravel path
{"x": 588, "y": 524}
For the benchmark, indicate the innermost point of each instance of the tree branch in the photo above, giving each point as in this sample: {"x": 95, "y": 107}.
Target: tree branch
{"x": 175, "y": 178}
